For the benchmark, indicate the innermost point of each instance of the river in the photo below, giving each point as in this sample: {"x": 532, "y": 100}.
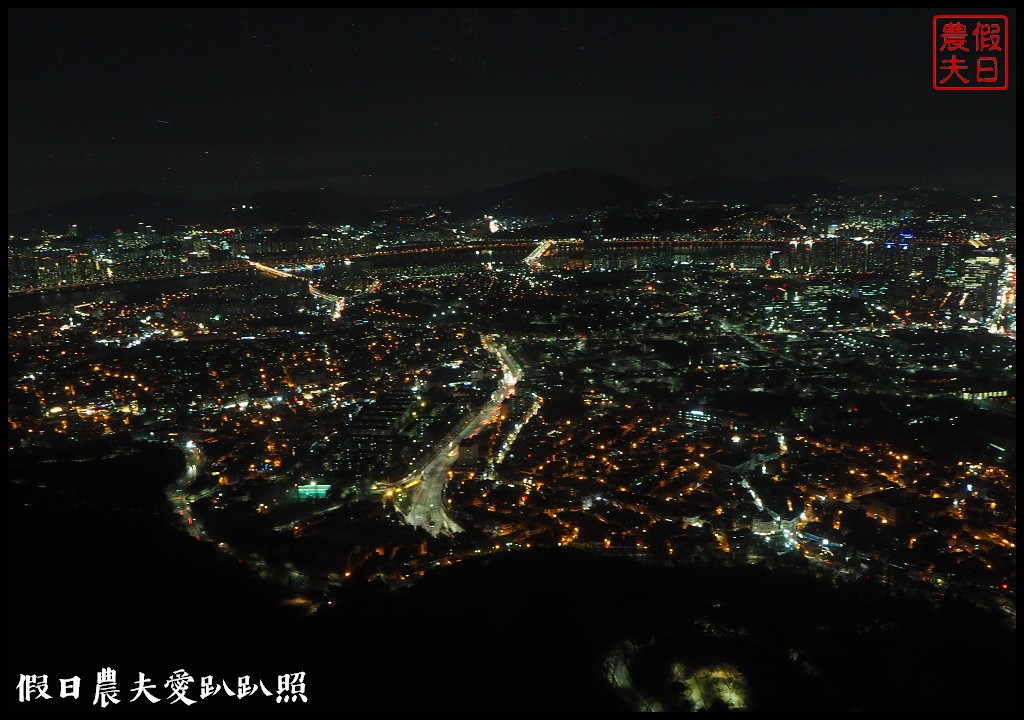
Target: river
{"x": 610, "y": 257}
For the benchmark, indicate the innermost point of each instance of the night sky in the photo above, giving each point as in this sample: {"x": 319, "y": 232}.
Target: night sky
{"x": 220, "y": 103}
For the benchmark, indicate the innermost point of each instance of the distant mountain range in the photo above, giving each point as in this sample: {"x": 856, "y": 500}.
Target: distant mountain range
{"x": 106, "y": 212}
{"x": 561, "y": 193}
{"x": 554, "y": 193}
{"x": 727, "y": 189}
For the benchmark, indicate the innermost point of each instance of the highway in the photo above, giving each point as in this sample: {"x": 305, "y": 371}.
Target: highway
{"x": 178, "y": 492}
{"x": 1004, "y": 314}
{"x": 426, "y": 506}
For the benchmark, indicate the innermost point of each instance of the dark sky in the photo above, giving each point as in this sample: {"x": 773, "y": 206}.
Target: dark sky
{"x": 216, "y": 103}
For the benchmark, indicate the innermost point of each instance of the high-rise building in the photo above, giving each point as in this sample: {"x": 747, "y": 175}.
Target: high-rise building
{"x": 981, "y": 283}
{"x": 47, "y": 271}
{"x": 930, "y": 267}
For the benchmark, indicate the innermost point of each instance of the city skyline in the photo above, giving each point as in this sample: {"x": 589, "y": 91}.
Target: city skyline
{"x": 375, "y": 417}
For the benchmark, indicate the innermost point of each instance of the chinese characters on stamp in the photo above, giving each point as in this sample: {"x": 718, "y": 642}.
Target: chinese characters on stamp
{"x": 970, "y": 52}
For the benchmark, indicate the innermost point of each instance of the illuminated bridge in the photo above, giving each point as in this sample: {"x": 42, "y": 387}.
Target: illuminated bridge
{"x": 339, "y": 302}
{"x": 538, "y": 252}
